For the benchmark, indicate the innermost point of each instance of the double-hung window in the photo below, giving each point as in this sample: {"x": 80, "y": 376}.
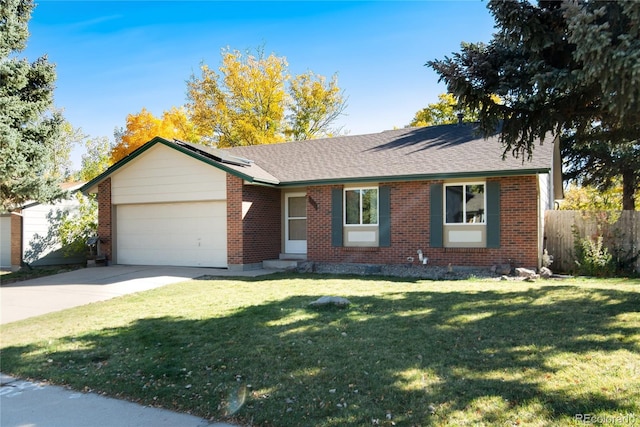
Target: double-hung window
{"x": 464, "y": 215}
{"x": 361, "y": 216}
{"x": 361, "y": 206}
{"x": 465, "y": 203}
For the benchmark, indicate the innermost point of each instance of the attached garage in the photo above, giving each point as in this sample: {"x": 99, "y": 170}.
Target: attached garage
{"x": 175, "y": 203}
{"x": 169, "y": 209}
{"x": 186, "y": 234}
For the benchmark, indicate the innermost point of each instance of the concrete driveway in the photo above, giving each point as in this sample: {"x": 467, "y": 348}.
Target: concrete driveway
{"x": 34, "y": 297}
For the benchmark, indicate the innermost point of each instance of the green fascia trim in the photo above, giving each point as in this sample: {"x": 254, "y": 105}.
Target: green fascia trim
{"x": 263, "y": 183}
{"x": 169, "y": 144}
{"x": 425, "y": 177}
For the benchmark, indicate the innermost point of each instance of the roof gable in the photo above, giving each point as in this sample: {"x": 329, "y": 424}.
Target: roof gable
{"x": 222, "y": 160}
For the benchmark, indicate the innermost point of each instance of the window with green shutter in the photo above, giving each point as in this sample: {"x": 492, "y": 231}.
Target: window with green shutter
{"x": 465, "y": 214}
{"x": 336, "y": 217}
{"x": 493, "y": 214}
{"x": 436, "y": 222}
{"x": 360, "y": 216}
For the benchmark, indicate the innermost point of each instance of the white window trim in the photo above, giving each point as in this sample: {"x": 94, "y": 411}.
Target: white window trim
{"x": 464, "y": 207}
{"x": 344, "y": 207}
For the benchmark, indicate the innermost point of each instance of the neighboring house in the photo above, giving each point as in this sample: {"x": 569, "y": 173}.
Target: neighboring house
{"x": 28, "y": 234}
{"x": 374, "y": 199}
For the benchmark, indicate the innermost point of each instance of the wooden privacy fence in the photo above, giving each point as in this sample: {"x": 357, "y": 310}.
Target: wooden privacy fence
{"x": 620, "y": 230}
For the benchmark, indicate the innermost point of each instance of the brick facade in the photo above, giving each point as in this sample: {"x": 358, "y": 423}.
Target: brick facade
{"x": 410, "y": 228}
{"x": 253, "y": 223}
{"x": 254, "y": 226}
{"x": 105, "y": 231}
{"x": 235, "y": 245}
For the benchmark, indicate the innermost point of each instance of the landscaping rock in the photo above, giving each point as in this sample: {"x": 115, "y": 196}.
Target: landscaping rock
{"x": 545, "y": 273}
{"x": 305, "y": 267}
{"x": 397, "y": 270}
{"x": 327, "y": 300}
{"x": 526, "y": 273}
{"x": 501, "y": 269}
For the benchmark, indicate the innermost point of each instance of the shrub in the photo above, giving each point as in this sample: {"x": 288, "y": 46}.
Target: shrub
{"x": 593, "y": 257}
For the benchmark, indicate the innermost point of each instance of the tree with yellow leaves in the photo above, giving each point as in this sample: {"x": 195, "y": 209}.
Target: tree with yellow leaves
{"x": 445, "y": 112}
{"x": 242, "y": 106}
{"x": 144, "y": 126}
{"x": 315, "y": 105}
{"x": 247, "y": 102}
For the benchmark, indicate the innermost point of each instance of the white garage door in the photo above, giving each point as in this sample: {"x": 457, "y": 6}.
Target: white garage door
{"x": 5, "y": 241}
{"x": 184, "y": 234}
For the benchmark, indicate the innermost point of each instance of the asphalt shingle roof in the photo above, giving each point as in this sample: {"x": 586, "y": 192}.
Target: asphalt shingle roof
{"x": 435, "y": 152}
{"x": 239, "y": 164}
{"x": 446, "y": 150}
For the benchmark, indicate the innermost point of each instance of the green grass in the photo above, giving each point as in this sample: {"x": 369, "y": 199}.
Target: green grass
{"x": 406, "y": 353}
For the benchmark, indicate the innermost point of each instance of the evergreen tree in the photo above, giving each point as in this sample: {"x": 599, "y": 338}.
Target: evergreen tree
{"x": 29, "y": 127}
{"x": 561, "y": 67}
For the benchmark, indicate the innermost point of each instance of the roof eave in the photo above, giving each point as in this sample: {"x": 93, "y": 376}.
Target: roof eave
{"x": 417, "y": 177}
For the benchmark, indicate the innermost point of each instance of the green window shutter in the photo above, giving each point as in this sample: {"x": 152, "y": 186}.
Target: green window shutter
{"x": 493, "y": 214}
{"x": 384, "y": 216}
{"x": 436, "y": 217}
{"x": 336, "y": 217}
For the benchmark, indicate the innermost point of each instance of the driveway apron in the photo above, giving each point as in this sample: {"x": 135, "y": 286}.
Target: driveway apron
{"x": 43, "y": 295}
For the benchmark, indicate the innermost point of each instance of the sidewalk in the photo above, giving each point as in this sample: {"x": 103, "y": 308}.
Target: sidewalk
{"x": 24, "y": 403}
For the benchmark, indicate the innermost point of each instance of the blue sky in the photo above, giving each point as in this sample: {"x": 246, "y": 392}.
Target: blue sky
{"x": 114, "y": 58}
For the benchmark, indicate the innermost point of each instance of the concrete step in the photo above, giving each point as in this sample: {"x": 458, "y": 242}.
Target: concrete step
{"x": 280, "y": 264}
{"x": 299, "y": 257}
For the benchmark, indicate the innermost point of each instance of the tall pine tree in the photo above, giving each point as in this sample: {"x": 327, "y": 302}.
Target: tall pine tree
{"x": 561, "y": 67}
{"x": 29, "y": 127}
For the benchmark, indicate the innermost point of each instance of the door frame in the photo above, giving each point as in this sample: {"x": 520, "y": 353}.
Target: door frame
{"x": 293, "y": 246}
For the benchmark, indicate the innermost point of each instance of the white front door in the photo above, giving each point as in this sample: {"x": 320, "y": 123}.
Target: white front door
{"x": 295, "y": 223}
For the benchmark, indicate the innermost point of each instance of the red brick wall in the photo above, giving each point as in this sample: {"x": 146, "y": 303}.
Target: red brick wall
{"x": 410, "y": 228}
{"x": 105, "y": 231}
{"x": 235, "y": 245}
{"x": 16, "y": 239}
{"x": 257, "y": 236}
{"x": 519, "y": 220}
{"x": 262, "y": 224}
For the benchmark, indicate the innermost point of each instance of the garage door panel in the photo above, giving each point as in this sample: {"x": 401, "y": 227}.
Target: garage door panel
{"x": 189, "y": 234}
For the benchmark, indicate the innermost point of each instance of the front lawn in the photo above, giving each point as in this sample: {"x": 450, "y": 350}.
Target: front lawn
{"x": 404, "y": 353}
